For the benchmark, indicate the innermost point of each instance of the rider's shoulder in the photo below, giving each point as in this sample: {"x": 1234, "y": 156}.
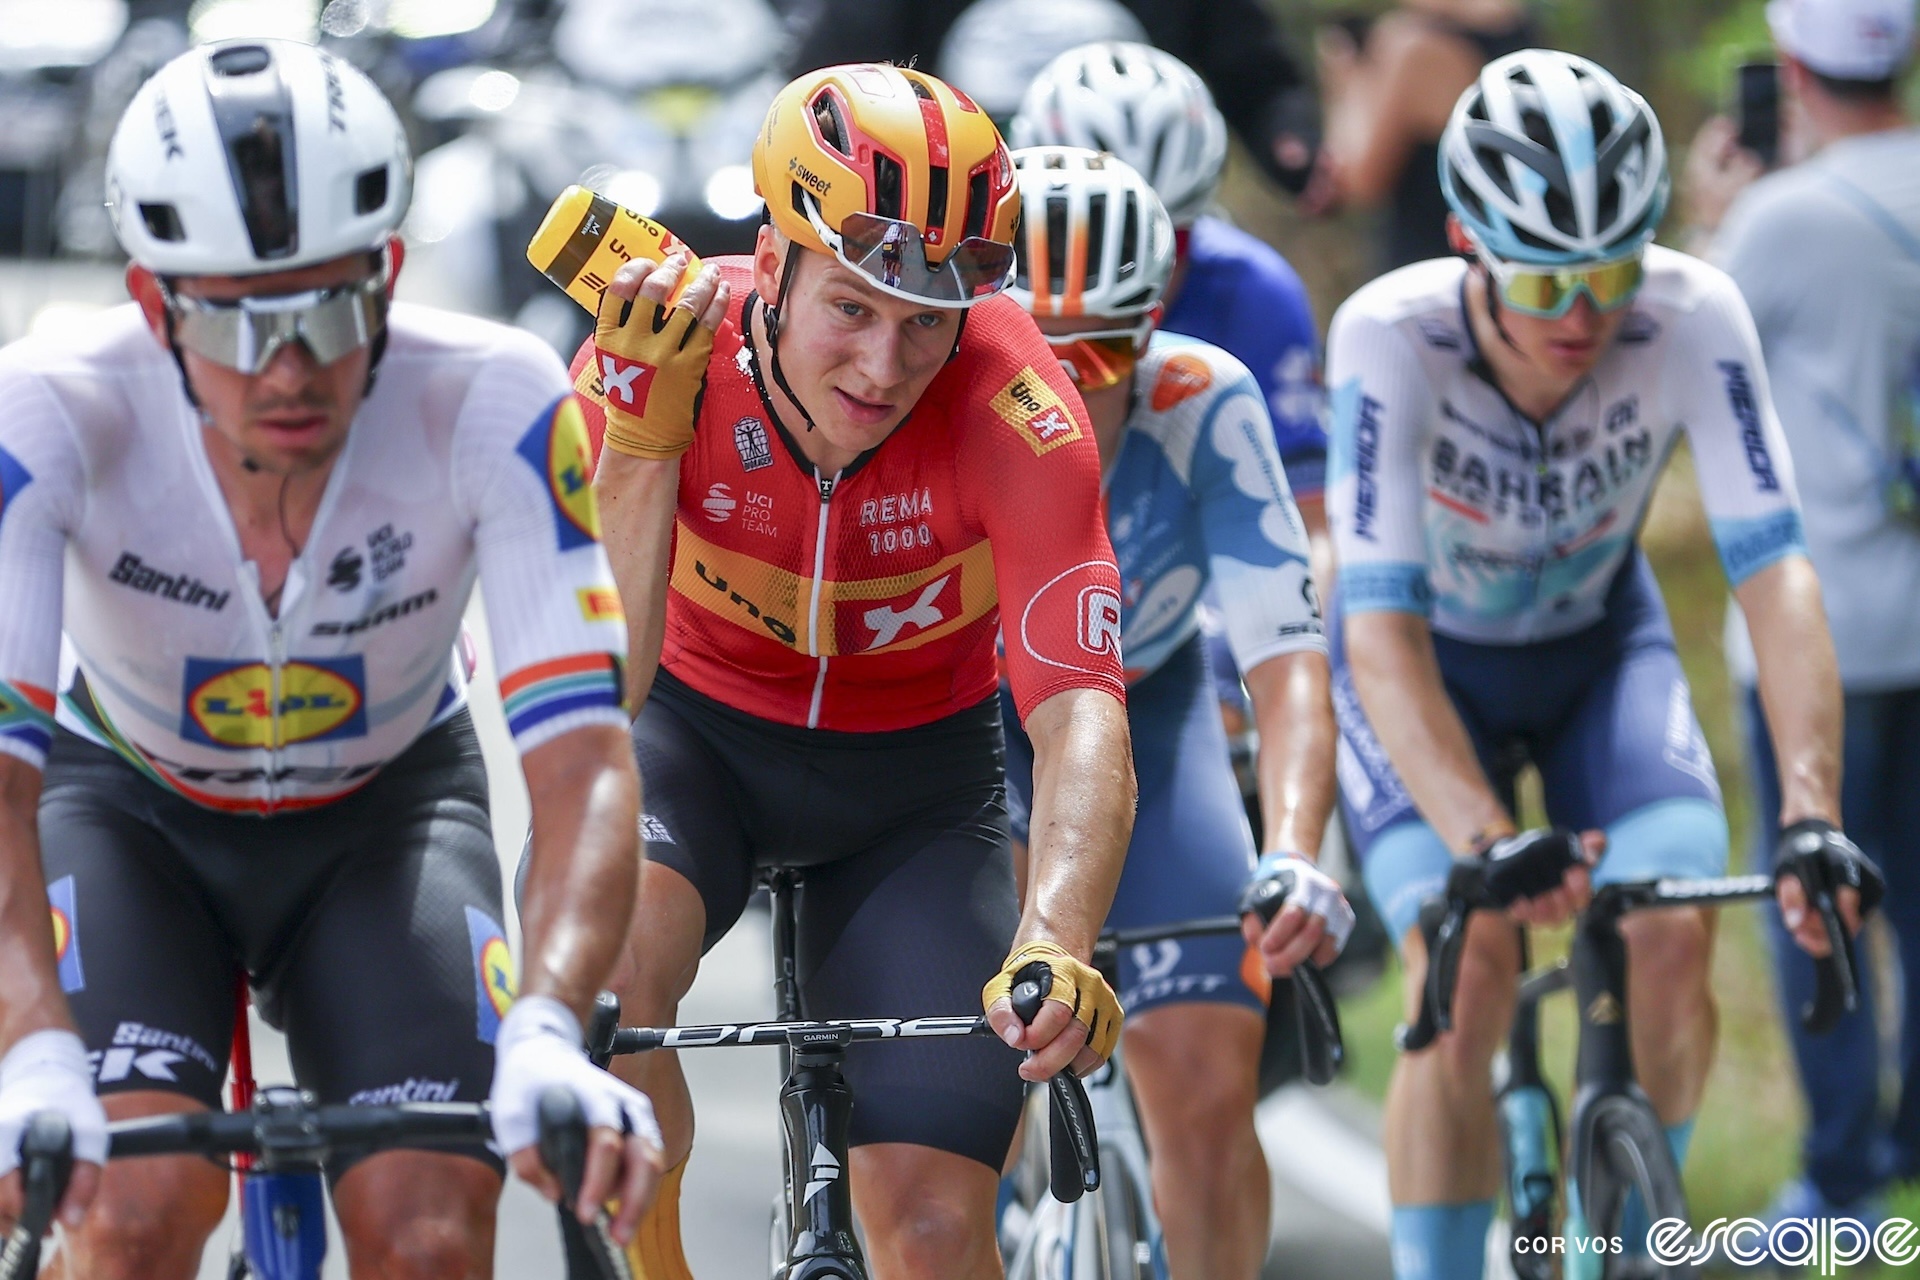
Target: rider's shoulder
{"x": 101, "y": 374}
{"x": 1423, "y": 297}
{"x": 1684, "y": 292}
{"x": 1184, "y": 377}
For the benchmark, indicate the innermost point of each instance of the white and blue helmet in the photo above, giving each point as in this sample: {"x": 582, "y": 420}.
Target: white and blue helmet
{"x": 1548, "y": 159}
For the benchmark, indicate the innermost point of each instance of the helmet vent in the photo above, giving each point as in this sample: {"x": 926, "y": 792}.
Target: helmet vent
{"x": 1056, "y": 244}
{"x": 1129, "y": 236}
{"x": 976, "y": 205}
{"x": 1096, "y": 232}
{"x": 920, "y": 89}
{"x": 888, "y": 186}
{"x": 832, "y": 128}
{"x": 370, "y": 190}
{"x": 253, "y": 110}
{"x": 242, "y": 60}
{"x": 936, "y": 197}
{"x": 163, "y": 222}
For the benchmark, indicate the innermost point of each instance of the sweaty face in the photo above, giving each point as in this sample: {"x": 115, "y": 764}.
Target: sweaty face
{"x": 293, "y": 415}
{"x": 857, "y": 358}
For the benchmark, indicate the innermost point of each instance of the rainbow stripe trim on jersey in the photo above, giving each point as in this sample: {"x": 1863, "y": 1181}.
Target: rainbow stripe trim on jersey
{"x": 26, "y": 715}
{"x": 536, "y": 694}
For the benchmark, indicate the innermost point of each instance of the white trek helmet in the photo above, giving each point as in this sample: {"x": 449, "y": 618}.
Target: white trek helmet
{"x": 1094, "y": 238}
{"x": 251, "y": 156}
{"x": 1548, "y": 159}
{"x": 996, "y": 47}
{"x": 1138, "y": 102}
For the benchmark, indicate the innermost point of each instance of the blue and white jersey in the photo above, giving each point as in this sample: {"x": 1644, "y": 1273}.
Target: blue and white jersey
{"x": 1240, "y": 295}
{"x": 1197, "y": 493}
{"x": 1445, "y": 500}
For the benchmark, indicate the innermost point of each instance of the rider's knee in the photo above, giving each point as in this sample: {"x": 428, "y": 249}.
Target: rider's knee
{"x": 150, "y": 1212}
{"x": 424, "y": 1246}
{"x": 929, "y": 1234}
{"x": 409, "y": 1215}
{"x": 1675, "y": 947}
{"x": 1483, "y": 997}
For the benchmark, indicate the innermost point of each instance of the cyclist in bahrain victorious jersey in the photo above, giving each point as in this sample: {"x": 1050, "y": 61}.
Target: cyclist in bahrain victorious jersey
{"x": 1498, "y": 425}
{"x": 257, "y": 502}
{"x": 823, "y": 498}
{"x": 1195, "y": 492}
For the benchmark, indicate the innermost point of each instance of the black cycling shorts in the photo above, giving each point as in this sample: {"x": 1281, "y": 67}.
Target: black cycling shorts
{"x": 369, "y": 928}
{"x": 907, "y": 904}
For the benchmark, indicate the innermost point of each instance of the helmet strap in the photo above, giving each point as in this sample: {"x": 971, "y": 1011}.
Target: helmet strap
{"x": 772, "y": 316}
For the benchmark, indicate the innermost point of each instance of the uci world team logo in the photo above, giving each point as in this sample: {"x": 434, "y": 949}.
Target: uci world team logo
{"x": 556, "y": 448}
{"x": 494, "y": 983}
{"x": 66, "y": 935}
{"x": 236, "y": 705}
{"x": 13, "y": 478}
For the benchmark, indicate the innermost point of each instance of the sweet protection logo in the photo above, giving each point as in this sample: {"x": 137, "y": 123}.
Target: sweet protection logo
{"x": 555, "y": 446}
{"x": 494, "y": 983}
{"x": 1036, "y": 412}
{"x": 233, "y": 704}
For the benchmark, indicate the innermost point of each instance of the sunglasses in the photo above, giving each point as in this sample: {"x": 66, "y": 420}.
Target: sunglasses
{"x": 247, "y": 333}
{"x": 1549, "y": 293}
{"x": 893, "y": 255}
{"x": 1096, "y": 361}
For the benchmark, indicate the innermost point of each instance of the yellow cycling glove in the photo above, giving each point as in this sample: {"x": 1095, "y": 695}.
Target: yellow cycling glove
{"x": 653, "y": 370}
{"x": 1078, "y": 986}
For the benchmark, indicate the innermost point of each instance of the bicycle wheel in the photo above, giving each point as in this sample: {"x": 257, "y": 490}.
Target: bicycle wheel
{"x": 1126, "y": 1252}
{"x": 1627, "y": 1153}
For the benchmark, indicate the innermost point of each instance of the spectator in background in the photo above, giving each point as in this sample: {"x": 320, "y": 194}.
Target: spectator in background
{"x": 1234, "y": 44}
{"x": 1388, "y": 87}
{"x": 1827, "y": 252}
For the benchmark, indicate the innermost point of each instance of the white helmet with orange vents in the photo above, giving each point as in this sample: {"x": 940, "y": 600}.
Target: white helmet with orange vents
{"x": 1095, "y": 239}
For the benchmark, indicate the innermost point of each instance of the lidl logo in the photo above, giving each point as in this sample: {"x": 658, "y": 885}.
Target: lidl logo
{"x": 66, "y": 935}
{"x": 600, "y": 604}
{"x": 13, "y": 478}
{"x": 235, "y": 704}
{"x": 556, "y": 448}
{"x": 494, "y": 983}
{"x": 1031, "y": 407}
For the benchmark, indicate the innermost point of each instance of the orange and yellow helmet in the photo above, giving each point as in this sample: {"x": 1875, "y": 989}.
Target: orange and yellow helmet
{"x": 895, "y": 173}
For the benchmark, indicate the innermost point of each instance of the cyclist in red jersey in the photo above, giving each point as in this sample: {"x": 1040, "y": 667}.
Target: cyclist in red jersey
{"x": 834, "y": 471}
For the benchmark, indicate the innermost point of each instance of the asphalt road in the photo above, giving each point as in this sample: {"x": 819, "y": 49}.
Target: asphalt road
{"x": 1330, "y": 1209}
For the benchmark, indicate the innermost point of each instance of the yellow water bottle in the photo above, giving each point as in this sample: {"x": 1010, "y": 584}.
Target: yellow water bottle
{"x": 585, "y": 238}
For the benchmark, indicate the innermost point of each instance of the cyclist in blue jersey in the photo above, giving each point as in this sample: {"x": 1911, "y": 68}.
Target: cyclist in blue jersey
{"x": 1228, "y": 288}
{"x": 1195, "y": 494}
{"x": 1498, "y": 426}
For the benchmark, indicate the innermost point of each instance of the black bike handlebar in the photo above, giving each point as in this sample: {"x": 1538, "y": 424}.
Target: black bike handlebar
{"x": 1443, "y": 927}
{"x": 1323, "y": 1049}
{"x": 1073, "y": 1154}
{"x": 286, "y": 1130}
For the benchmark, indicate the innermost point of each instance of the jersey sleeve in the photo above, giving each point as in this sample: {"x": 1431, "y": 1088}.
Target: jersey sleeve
{"x": 41, "y": 482}
{"x": 1283, "y": 353}
{"x": 1719, "y": 381}
{"x": 1256, "y": 543}
{"x": 1379, "y": 404}
{"x": 1032, "y": 475}
{"x": 523, "y": 467}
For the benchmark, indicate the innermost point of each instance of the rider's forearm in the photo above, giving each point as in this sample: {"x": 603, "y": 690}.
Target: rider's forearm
{"x": 585, "y": 866}
{"x": 637, "y": 498}
{"x": 1799, "y": 685}
{"x": 1397, "y": 676}
{"x": 1294, "y": 715}
{"x": 1313, "y": 514}
{"x": 30, "y": 999}
{"x": 1083, "y": 795}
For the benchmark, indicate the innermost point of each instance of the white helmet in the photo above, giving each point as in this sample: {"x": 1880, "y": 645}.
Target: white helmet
{"x": 1548, "y": 159}
{"x": 1142, "y": 104}
{"x": 1094, "y": 238}
{"x": 251, "y": 156}
{"x": 996, "y": 47}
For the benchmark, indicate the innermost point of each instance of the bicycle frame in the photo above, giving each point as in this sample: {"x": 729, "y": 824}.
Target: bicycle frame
{"x": 283, "y": 1227}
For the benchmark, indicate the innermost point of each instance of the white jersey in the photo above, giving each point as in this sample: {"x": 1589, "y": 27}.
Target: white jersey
{"x": 1447, "y": 501}
{"x": 467, "y": 458}
{"x": 1197, "y": 493}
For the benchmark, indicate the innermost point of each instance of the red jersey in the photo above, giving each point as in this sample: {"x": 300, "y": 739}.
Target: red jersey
{"x": 871, "y": 600}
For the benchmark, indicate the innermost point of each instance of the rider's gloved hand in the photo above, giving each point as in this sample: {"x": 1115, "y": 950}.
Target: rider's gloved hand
{"x": 1540, "y": 876}
{"x": 1312, "y": 922}
{"x": 48, "y": 1071}
{"x": 1814, "y": 850}
{"x": 653, "y": 356}
{"x": 1078, "y": 1025}
{"x": 539, "y": 1047}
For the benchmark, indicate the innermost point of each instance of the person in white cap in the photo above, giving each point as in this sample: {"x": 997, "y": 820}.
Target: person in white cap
{"x": 1827, "y": 252}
